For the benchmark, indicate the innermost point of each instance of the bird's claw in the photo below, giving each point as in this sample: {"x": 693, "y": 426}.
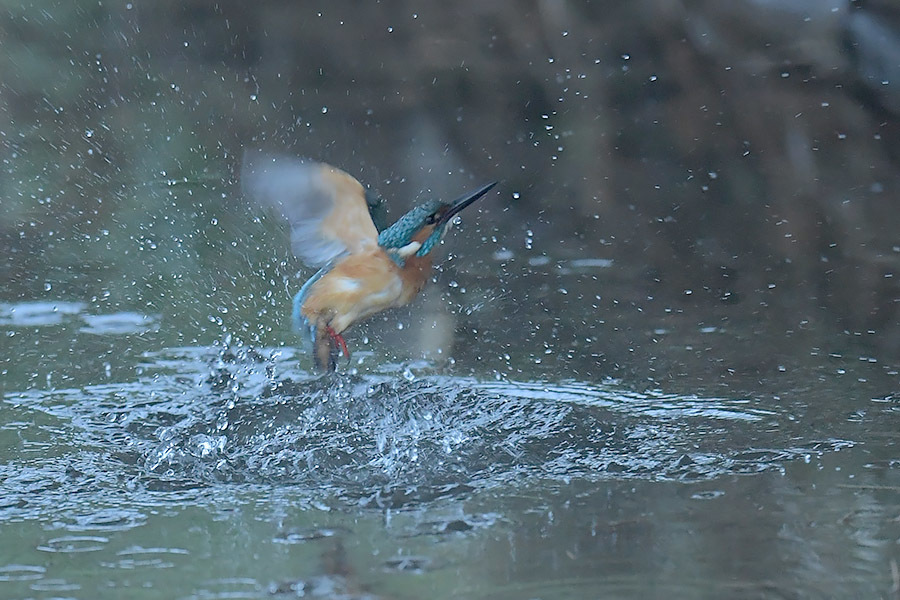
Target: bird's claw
{"x": 339, "y": 340}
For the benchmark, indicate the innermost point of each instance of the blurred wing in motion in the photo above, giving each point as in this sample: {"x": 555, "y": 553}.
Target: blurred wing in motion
{"x": 325, "y": 206}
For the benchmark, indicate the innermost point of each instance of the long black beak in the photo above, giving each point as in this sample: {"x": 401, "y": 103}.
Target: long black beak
{"x": 463, "y": 201}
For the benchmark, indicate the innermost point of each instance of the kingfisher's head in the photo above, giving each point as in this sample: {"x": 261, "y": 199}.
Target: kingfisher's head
{"x": 419, "y": 231}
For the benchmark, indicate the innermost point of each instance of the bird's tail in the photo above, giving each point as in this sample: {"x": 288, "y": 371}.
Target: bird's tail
{"x": 314, "y": 338}
{"x": 325, "y": 350}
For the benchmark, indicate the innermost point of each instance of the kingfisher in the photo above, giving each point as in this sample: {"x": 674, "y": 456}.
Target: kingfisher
{"x": 363, "y": 269}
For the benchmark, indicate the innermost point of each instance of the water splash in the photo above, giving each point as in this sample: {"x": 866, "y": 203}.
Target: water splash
{"x": 198, "y": 418}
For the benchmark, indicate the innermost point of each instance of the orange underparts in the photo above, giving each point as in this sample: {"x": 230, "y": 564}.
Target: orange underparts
{"x": 339, "y": 339}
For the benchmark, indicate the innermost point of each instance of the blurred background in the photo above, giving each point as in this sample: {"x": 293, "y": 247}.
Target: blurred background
{"x": 659, "y": 361}
{"x": 704, "y": 165}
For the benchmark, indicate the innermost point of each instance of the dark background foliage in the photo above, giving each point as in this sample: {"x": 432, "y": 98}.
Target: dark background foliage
{"x": 736, "y": 161}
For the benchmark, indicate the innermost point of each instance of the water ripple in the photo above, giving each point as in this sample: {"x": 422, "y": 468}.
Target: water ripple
{"x": 21, "y": 572}
{"x": 198, "y": 418}
{"x": 73, "y": 544}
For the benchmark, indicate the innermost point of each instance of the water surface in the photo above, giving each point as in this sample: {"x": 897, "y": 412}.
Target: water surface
{"x": 229, "y": 471}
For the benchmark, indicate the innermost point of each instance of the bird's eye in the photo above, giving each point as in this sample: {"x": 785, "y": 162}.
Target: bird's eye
{"x": 430, "y": 219}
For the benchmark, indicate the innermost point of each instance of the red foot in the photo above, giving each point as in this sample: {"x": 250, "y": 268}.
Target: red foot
{"x": 339, "y": 339}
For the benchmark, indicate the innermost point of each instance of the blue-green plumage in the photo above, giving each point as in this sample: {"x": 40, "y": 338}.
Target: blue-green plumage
{"x": 338, "y": 227}
{"x": 431, "y": 212}
{"x": 401, "y": 233}
{"x": 393, "y": 239}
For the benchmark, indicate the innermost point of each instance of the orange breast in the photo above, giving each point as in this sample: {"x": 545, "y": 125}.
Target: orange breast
{"x": 360, "y": 286}
{"x": 415, "y": 274}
